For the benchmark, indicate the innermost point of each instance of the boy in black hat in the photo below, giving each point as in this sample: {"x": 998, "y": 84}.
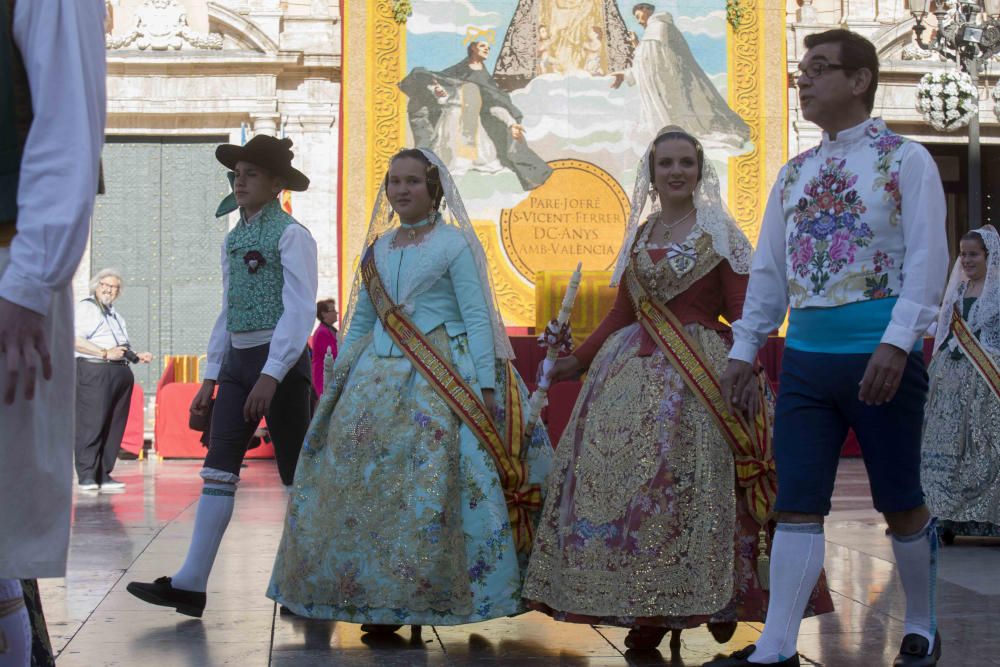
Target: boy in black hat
{"x": 256, "y": 354}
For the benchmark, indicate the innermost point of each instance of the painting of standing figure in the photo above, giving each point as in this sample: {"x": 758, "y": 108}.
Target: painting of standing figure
{"x": 542, "y": 110}
{"x": 673, "y": 87}
{"x": 462, "y": 115}
{"x": 542, "y": 80}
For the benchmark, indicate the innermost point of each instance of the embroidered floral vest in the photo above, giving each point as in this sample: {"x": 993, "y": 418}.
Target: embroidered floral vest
{"x": 255, "y": 276}
{"x": 15, "y": 114}
{"x": 843, "y": 209}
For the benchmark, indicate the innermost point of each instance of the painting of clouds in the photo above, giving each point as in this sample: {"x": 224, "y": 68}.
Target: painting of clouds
{"x": 500, "y": 88}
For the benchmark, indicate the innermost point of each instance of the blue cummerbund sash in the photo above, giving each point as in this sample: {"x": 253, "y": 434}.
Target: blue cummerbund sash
{"x": 854, "y": 328}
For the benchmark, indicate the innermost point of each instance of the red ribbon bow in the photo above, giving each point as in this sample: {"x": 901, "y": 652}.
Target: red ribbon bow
{"x": 520, "y": 503}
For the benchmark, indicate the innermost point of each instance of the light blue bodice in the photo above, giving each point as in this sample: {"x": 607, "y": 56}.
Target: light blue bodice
{"x": 436, "y": 283}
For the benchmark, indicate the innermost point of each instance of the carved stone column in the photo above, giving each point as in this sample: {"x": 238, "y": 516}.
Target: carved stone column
{"x": 268, "y": 15}
{"x": 807, "y": 13}
{"x": 314, "y": 131}
{"x": 861, "y": 11}
{"x": 313, "y": 35}
{"x": 264, "y": 124}
{"x": 891, "y": 12}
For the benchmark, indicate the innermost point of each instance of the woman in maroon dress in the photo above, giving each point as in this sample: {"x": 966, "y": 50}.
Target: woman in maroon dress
{"x": 646, "y": 524}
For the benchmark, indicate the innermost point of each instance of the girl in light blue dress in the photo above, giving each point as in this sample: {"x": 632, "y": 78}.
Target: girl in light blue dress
{"x": 400, "y": 513}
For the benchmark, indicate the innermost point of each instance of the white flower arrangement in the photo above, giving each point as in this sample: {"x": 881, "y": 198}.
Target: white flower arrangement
{"x": 948, "y": 100}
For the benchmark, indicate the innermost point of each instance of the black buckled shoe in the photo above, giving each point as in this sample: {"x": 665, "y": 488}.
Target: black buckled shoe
{"x": 162, "y": 593}
{"x": 740, "y": 659}
{"x": 913, "y": 651}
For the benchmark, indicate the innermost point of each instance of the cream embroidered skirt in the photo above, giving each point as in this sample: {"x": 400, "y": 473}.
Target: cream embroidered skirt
{"x": 960, "y": 467}
{"x": 642, "y": 523}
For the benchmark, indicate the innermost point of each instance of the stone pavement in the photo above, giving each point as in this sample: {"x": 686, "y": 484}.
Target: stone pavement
{"x": 143, "y": 532}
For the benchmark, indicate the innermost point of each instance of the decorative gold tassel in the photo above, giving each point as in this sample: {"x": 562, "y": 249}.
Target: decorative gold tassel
{"x": 763, "y": 561}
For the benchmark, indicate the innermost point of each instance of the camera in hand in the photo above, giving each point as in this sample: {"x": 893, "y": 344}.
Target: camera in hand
{"x": 130, "y": 355}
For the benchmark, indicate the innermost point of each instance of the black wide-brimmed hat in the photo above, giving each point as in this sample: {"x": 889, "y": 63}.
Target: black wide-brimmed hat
{"x": 272, "y": 154}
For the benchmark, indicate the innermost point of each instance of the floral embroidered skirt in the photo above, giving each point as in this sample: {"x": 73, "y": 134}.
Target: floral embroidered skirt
{"x": 960, "y": 458}
{"x": 642, "y": 524}
{"x": 397, "y": 515}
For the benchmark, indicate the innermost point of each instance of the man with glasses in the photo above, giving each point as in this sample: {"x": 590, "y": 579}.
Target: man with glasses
{"x": 104, "y": 382}
{"x": 853, "y": 239}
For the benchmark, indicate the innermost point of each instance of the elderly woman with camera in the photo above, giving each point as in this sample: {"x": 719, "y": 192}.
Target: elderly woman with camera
{"x": 103, "y": 382}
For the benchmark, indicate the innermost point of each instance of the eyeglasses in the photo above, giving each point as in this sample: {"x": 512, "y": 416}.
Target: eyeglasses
{"x": 816, "y": 70}
{"x": 114, "y": 286}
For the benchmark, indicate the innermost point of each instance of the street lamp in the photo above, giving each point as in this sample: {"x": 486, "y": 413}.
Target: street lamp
{"x": 968, "y": 32}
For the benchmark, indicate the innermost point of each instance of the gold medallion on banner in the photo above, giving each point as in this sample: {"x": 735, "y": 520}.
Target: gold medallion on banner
{"x": 578, "y": 215}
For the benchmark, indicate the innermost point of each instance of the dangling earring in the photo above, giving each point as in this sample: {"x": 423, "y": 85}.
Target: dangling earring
{"x": 653, "y": 194}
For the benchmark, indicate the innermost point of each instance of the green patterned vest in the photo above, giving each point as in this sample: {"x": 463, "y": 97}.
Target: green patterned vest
{"x": 15, "y": 114}
{"x": 255, "y": 277}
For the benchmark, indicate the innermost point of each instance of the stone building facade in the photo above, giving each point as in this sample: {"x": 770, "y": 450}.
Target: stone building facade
{"x": 183, "y": 76}
{"x": 888, "y": 24}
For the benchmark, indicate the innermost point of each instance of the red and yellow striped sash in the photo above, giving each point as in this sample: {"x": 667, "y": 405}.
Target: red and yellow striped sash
{"x": 981, "y": 360}
{"x": 506, "y": 449}
{"x": 750, "y": 442}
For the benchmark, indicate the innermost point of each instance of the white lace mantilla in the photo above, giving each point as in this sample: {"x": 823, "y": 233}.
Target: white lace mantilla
{"x": 984, "y": 318}
{"x": 454, "y": 219}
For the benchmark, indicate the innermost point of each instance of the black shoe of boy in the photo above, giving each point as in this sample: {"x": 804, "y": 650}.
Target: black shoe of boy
{"x": 160, "y": 592}
{"x": 913, "y": 651}
{"x": 741, "y": 659}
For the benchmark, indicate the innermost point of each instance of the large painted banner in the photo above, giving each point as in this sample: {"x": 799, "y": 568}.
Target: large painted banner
{"x": 542, "y": 110}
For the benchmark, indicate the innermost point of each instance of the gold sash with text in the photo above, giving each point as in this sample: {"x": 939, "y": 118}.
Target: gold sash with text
{"x": 749, "y": 441}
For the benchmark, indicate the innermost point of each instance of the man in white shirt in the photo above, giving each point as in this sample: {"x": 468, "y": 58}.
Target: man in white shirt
{"x": 52, "y": 114}
{"x": 853, "y": 238}
{"x": 104, "y": 382}
{"x": 256, "y": 354}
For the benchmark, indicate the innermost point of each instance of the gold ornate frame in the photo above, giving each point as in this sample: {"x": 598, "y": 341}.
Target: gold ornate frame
{"x": 373, "y": 129}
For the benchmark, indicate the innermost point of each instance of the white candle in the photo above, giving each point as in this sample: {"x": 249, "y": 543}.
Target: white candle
{"x": 538, "y": 399}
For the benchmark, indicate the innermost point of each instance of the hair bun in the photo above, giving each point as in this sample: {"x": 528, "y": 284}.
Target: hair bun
{"x": 285, "y": 142}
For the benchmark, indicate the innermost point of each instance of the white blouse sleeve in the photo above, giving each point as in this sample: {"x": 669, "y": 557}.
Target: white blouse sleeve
{"x": 925, "y": 258}
{"x": 299, "y": 267}
{"x": 218, "y": 341}
{"x": 767, "y": 294}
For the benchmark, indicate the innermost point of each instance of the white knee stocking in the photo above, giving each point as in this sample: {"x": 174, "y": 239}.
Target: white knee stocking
{"x": 796, "y": 562}
{"x": 215, "y": 509}
{"x": 916, "y": 559}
